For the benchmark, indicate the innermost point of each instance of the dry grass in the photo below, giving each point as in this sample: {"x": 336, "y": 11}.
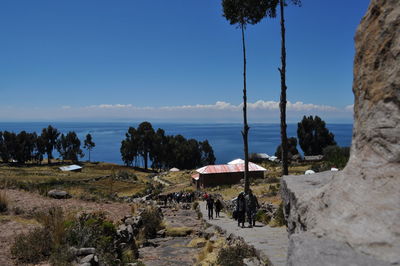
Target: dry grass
{"x": 178, "y": 231}
{"x": 209, "y": 253}
{"x": 3, "y": 201}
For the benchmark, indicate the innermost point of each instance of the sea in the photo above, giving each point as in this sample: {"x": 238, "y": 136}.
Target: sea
{"x": 226, "y": 139}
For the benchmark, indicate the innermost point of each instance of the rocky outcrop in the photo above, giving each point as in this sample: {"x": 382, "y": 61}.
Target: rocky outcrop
{"x": 359, "y": 206}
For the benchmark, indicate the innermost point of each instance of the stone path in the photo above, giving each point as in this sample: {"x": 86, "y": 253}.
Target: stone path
{"x": 271, "y": 243}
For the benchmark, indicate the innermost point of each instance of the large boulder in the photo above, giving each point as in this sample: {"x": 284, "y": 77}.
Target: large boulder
{"x": 359, "y": 206}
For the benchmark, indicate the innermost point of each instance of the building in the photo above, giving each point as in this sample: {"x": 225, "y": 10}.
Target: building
{"x": 225, "y": 174}
{"x": 71, "y": 168}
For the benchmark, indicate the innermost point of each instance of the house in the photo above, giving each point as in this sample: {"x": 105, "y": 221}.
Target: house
{"x": 71, "y": 168}
{"x": 225, "y": 174}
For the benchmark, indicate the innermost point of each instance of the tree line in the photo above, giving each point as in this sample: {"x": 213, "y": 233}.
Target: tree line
{"x": 144, "y": 144}
{"x": 30, "y": 147}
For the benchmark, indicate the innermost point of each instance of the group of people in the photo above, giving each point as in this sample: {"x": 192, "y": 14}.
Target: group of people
{"x": 246, "y": 205}
{"x": 211, "y": 205}
{"x": 177, "y": 197}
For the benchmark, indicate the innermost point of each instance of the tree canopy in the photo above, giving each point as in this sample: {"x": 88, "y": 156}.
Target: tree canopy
{"x": 69, "y": 147}
{"x": 89, "y": 144}
{"x": 313, "y": 135}
{"x": 164, "y": 151}
{"x": 292, "y": 149}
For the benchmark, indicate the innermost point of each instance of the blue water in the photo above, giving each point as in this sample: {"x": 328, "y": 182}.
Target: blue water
{"x": 226, "y": 139}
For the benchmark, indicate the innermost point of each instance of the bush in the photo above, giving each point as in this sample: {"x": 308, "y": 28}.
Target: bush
{"x": 336, "y": 156}
{"x": 124, "y": 175}
{"x": 234, "y": 255}
{"x": 3, "y": 202}
{"x": 152, "y": 218}
{"x": 262, "y": 217}
{"x": 54, "y": 221}
{"x": 32, "y": 247}
{"x": 279, "y": 217}
{"x": 195, "y": 205}
{"x": 272, "y": 180}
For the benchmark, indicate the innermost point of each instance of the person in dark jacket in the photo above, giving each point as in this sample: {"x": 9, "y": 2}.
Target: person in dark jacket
{"x": 210, "y": 207}
{"x": 218, "y": 207}
{"x": 251, "y": 208}
{"x": 241, "y": 209}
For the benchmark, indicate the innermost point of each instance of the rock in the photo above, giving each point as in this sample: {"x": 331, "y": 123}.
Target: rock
{"x": 306, "y": 249}
{"x": 85, "y": 251}
{"x": 58, "y": 194}
{"x": 87, "y": 259}
{"x": 161, "y": 233}
{"x": 253, "y": 262}
{"x": 85, "y": 264}
{"x": 358, "y": 207}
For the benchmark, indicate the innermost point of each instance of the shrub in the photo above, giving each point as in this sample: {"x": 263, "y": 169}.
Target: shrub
{"x": 234, "y": 255}
{"x": 152, "y": 218}
{"x": 54, "y": 221}
{"x": 32, "y": 247}
{"x": 279, "y": 217}
{"x": 272, "y": 180}
{"x": 263, "y": 217}
{"x": 195, "y": 205}
{"x": 124, "y": 175}
{"x": 3, "y": 201}
{"x": 336, "y": 156}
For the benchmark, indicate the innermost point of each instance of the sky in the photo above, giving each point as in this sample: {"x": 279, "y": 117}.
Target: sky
{"x": 179, "y": 60}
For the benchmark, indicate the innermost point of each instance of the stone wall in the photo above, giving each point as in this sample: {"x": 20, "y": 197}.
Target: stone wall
{"x": 359, "y": 207}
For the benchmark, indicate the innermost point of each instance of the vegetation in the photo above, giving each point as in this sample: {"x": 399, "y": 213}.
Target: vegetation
{"x": 27, "y": 147}
{"x": 152, "y": 219}
{"x": 336, "y": 156}
{"x": 234, "y": 255}
{"x": 243, "y": 12}
{"x": 3, "y": 201}
{"x": 292, "y": 149}
{"x": 282, "y": 71}
{"x": 58, "y": 233}
{"x": 164, "y": 151}
{"x": 313, "y": 135}
{"x": 69, "y": 147}
{"x": 49, "y": 137}
{"x": 89, "y": 144}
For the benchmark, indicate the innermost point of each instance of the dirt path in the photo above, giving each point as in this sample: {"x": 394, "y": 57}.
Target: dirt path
{"x": 272, "y": 243}
{"x": 26, "y": 203}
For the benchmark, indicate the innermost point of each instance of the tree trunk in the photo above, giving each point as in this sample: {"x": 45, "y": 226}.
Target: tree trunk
{"x": 89, "y": 155}
{"x": 145, "y": 160}
{"x": 48, "y": 157}
{"x": 282, "y": 103}
{"x": 245, "y": 126}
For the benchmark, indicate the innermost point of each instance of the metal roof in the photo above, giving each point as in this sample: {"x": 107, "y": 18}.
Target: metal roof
{"x": 196, "y": 176}
{"x": 228, "y": 168}
{"x": 73, "y": 167}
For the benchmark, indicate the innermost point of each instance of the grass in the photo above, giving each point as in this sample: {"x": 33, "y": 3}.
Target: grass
{"x": 93, "y": 183}
{"x": 3, "y": 201}
{"x": 178, "y": 231}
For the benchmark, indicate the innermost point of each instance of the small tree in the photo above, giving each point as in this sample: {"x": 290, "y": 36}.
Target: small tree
{"x": 89, "y": 144}
{"x": 313, "y": 135}
{"x": 145, "y": 134}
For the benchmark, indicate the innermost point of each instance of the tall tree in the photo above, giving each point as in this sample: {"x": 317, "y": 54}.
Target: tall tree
{"x": 145, "y": 134}
{"x": 282, "y": 71}
{"x": 50, "y": 136}
{"x": 313, "y": 135}
{"x": 89, "y": 144}
{"x": 69, "y": 147}
{"x": 243, "y": 12}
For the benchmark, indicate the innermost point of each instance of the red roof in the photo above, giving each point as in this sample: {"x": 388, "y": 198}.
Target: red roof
{"x": 228, "y": 168}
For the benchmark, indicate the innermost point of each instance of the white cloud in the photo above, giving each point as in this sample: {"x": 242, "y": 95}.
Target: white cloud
{"x": 349, "y": 108}
{"x": 220, "y": 111}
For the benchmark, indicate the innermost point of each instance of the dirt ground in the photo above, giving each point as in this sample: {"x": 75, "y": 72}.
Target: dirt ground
{"x": 22, "y": 205}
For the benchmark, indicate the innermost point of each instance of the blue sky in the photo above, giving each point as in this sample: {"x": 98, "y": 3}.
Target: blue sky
{"x": 98, "y": 60}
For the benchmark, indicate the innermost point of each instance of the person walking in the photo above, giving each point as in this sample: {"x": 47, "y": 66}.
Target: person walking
{"x": 210, "y": 207}
{"x": 218, "y": 207}
{"x": 252, "y": 206}
{"x": 241, "y": 209}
